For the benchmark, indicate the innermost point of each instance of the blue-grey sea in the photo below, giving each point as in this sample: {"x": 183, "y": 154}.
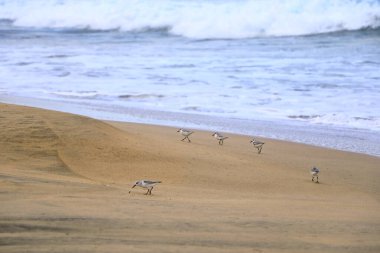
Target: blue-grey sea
{"x": 305, "y": 71}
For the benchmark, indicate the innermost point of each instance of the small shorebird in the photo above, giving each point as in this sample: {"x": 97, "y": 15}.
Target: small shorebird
{"x": 146, "y": 184}
{"x": 314, "y": 173}
{"x": 257, "y": 144}
{"x": 219, "y": 137}
{"x": 185, "y": 133}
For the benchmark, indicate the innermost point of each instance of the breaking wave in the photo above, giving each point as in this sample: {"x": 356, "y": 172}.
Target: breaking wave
{"x": 198, "y": 19}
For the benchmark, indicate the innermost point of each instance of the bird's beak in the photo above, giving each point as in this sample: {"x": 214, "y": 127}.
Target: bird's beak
{"x": 133, "y": 186}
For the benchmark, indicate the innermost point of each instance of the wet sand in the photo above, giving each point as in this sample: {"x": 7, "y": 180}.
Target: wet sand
{"x": 65, "y": 182}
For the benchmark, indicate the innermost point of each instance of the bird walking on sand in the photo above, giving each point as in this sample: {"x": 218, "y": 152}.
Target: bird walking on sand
{"x": 257, "y": 144}
{"x": 219, "y": 137}
{"x": 185, "y": 133}
{"x": 314, "y": 173}
{"x": 146, "y": 184}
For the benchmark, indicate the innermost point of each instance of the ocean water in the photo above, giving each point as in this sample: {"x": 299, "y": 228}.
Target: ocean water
{"x": 307, "y": 71}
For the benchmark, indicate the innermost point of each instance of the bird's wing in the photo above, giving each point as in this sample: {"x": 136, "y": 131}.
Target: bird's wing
{"x": 152, "y": 182}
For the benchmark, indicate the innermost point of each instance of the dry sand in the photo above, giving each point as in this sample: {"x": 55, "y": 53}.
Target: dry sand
{"x": 64, "y": 183}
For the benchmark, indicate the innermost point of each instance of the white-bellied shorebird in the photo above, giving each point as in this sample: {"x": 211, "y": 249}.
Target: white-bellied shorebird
{"x": 185, "y": 133}
{"x": 146, "y": 184}
{"x": 257, "y": 144}
{"x": 219, "y": 137}
{"x": 314, "y": 173}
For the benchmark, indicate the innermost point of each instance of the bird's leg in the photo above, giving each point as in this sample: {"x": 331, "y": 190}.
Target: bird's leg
{"x": 147, "y": 192}
{"x": 317, "y": 180}
{"x": 188, "y": 139}
{"x": 183, "y": 139}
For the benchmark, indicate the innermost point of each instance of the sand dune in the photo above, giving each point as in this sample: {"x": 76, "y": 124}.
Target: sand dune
{"x": 64, "y": 183}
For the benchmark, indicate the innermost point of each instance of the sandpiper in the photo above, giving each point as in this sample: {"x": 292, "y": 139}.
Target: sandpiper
{"x": 146, "y": 184}
{"x": 185, "y": 133}
{"x": 219, "y": 137}
{"x": 257, "y": 144}
{"x": 314, "y": 173}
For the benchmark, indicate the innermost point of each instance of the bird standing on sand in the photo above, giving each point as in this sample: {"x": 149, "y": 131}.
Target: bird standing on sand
{"x": 257, "y": 144}
{"x": 146, "y": 184}
{"x": 314, "y": 173}
{"x": 185, "y": 133}
{"x": 219, "y": 137}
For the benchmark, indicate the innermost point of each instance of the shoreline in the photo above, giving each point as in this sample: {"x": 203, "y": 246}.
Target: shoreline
{"x": 66, "y": 183}
{"x": 338, "y": 138}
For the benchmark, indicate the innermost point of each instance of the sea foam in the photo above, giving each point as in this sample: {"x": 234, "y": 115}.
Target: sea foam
{"x": 198, "y": 19}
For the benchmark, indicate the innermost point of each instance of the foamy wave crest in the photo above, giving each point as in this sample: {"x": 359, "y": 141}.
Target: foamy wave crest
{"x": 200, "y": 19}
{"x": 372, "y": 123}
{"x": 75, "y": 94}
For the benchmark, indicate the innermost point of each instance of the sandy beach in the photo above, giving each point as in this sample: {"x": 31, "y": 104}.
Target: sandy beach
{"x": 65, "y": 182}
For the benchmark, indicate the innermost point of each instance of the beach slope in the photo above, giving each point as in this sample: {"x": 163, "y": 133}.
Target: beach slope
{"x": 65, "y": 186}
